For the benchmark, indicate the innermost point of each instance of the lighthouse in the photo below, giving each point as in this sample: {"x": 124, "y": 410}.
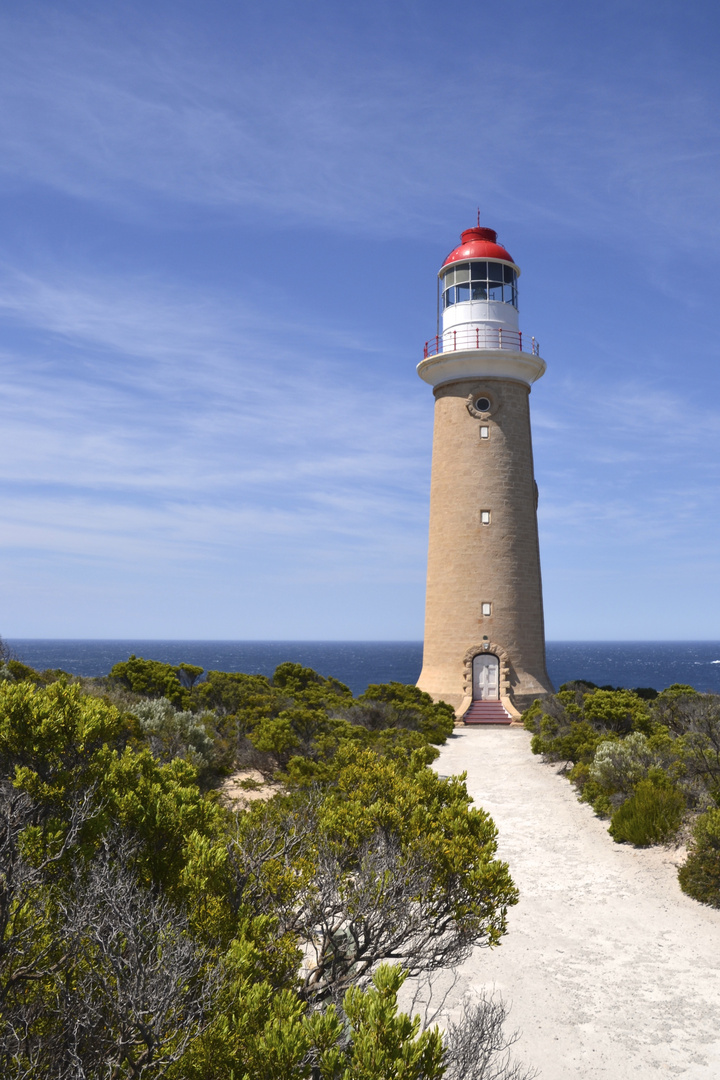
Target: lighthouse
{"x": 484, "y": 649}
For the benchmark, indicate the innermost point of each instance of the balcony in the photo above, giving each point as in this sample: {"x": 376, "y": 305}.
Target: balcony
{"x": 479, "y": 338}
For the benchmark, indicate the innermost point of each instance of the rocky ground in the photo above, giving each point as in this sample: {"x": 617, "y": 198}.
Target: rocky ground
{"x": 610, "y": 971}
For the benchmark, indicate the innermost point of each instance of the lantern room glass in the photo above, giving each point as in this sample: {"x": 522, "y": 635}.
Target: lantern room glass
{"x": 482, "y": 280}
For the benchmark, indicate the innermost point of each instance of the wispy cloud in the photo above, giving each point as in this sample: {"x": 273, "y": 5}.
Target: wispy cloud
{"x": 133, "y": 424}
{"x": 638, "y": 472}
{"x": 105, "y": 115}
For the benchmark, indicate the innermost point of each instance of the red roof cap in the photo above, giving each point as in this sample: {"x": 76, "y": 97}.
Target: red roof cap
{"x": 479, "y": 243}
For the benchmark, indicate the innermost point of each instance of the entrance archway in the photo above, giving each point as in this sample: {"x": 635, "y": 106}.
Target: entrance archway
{"x": 485, "y": 677}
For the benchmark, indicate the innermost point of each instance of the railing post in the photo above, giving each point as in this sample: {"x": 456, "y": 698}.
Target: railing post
{"x": 425, "y": 352}
{"x": 520, "y": 339}
{"x": 477, "y": 337}
{"x": 500, "y": 337}
{"x": 455, "y": 340}
{"x": 533, "y": 346}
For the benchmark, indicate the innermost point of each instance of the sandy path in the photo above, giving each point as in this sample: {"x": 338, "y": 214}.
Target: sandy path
{"x": 610, "y": 970}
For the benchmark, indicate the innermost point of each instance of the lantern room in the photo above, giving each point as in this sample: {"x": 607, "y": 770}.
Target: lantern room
{"x": 477, "y": 316}
{"x": 478, "y": 287}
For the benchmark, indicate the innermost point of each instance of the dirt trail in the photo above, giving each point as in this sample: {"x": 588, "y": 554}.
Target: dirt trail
{"x": 610, "y": 970}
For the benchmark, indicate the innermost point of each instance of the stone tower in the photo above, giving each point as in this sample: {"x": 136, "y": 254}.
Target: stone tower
{"x": 484, "y": 632}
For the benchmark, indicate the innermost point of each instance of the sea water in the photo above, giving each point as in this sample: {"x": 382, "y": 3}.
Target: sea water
{"x": 654, "y": 664}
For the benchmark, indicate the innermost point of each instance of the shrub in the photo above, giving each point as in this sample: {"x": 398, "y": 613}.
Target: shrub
{"x": 579, "y": 775}
{"x": 598, "y": 799}
{"x": 699, "y": 877}
{"x": 675, "y": 706}
{"x": 276, "y": 736}
{"x": 174, "y": 734}
{"x": 589, "y": 790}
{"x": 250, "y": 697}
{"x": 577, "y": 742}
{"x": 153, "y": 679}
{"x": 396, "y": 705}
{"x": 620, "y": 711}
{"x": 699, "y": 743}
{"x": 569, "y": 725}
{"x": 12, "y": 670}
{"x": 532, "y": 715}
{"x": 620, "y": 764}
{"x": 652, "y": 815}
{"x": 295, "y": 679}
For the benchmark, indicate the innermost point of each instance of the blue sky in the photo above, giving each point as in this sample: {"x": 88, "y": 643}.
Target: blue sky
{"x": 221, "y": 225}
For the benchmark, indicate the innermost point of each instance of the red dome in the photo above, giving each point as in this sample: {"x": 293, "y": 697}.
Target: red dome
{"x": 479, "y": 243}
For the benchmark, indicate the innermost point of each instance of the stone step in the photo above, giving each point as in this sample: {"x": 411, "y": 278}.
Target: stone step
{"x": 487, "y": 712}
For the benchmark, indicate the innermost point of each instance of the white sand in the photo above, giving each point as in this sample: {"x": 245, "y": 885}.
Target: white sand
{"x": 236, "y": 797}
{"x": 610, "y": 970}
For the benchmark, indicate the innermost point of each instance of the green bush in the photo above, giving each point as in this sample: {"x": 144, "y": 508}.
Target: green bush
{"x": 293, "y": 679}
{"x": 171, "y": 734}
{"x": 576, "y": 743}
{"x": 652, "y": 815}
{"x": 396, "y": 705}
{"x": 674, "y": 707}
{"x": 699, "y": 877}
{"x": 589, "y": 790}
{"x": 153, "y": 679}
{"x": 532, "y": 715}
{"x": 620, "y": 711}
{"x": 579, "y": 775}
{"x": 620, "y": 764}
{"x": 249, "y": 697}
{"x": 598, "y": 799}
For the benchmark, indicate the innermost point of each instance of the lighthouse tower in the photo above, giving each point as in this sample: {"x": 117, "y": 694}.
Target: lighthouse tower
{"x": 484, "y": 633}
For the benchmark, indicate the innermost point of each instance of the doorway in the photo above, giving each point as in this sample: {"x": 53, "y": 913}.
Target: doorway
{"x": 486, "y": 677}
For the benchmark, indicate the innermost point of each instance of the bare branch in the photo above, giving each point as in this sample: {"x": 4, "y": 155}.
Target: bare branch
{"x": 476, "y": 1047}
{"x": 353, "y": 907}
{"x": 26, "y": 954}
{"x": 131, "y": 993}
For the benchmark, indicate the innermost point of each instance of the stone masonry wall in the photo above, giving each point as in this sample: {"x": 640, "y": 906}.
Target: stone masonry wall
{"x": 468, "y": 562}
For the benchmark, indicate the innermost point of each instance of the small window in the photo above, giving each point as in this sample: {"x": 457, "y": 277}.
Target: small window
{"x": 479, "y": 290}
{"x": 495, "y": 271}
{"x": 509, "y": 275}
{"x": 484, "y": 517}
{"x": 484, "y": 432}
{"x": 482, "y": 404}
{"x": 495, "y": 292}
{"x": 487, "y": 609}
{"x": 462, "y": 292}
{"x": 448, "y": 278}
{"x": 462, "y": 272}
{"x": 450, "y": 296}
{"x": 479, "y": 271}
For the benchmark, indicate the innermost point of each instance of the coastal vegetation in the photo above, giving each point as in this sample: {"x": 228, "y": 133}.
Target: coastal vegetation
{"x": 647, "y": 761}
{"x": 151, "y": 927}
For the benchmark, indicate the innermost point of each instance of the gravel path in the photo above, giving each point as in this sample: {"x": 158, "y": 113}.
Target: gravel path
{"x": 610, "y": 971}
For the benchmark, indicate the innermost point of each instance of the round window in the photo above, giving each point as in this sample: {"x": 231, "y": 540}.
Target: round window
{"x": 482, "y": 404}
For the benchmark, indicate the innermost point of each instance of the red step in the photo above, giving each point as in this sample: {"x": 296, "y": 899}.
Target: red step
{"x": 487, "y": 712}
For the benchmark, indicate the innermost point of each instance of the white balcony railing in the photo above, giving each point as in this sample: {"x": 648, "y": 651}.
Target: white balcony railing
{"x": 480, "y": 338}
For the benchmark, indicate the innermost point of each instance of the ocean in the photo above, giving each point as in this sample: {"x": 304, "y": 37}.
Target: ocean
{"x": 358, "y": 663}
